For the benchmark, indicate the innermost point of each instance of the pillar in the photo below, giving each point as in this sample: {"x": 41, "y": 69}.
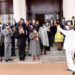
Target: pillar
{"x": 23, "y": 9}
{"x": 68, "y": 9}
{"x": 19, "y": 9}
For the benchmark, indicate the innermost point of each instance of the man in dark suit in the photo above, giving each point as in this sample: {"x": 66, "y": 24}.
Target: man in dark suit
{"x": 21, "y": 36}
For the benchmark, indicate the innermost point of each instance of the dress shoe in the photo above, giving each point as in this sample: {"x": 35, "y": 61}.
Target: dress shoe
{"x": 10, "y": 60}
{"x": 44, "y": 52}
{"x": 6, "y": 60}
{"x": 69, "y": 70}
{"x": 1, "y": 59}
{"x": 73, "y": 73}
{"x": 22, "y": 59}
{"x": 29, "y": 54}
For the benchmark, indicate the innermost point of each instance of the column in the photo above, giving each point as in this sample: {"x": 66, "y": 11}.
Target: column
{"x": 23, "y": 9}
{"x": 19, "y": 9}
{"x": 68, "y": 9}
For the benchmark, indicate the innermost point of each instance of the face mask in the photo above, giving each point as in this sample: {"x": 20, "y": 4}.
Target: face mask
{"x": 67, "y": 27}
{"x": 22, "y": 21}
{"x": 58, "y": 31}
{"x": 7, "y": 27}
{"x": 35, "y": 31}
{"x": 47, "y": 24}
{"x": 44, "y": 26}
{"x": 69, "y": 24}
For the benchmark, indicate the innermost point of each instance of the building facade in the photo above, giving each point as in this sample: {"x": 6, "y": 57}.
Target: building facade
{"x": 38, "y": 9}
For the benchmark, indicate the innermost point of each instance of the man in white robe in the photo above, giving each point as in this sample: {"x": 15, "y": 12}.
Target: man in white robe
{"x": 69, "y": 46}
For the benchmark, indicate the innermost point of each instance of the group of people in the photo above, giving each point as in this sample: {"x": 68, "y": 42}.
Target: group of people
{"x": 40, "y": 37}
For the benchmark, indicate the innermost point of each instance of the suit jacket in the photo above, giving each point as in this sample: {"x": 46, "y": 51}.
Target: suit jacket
{"x": 7, "y": 36}
{"x": 21, "y": 38}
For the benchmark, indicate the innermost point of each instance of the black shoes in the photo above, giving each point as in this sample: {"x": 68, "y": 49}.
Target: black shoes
{"x": 8, "y": 60}
{"x": 69, "y": 70}
{"x": 73, "y": 73}
{"x": 1, "y": 59}
{"x": 21, "y": 59}
{"x": 29, "y": 54}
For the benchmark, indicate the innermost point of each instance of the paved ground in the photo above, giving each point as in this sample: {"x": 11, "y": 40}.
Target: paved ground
{"x": 33, "y": 69}
{"x": 54, "y": 63}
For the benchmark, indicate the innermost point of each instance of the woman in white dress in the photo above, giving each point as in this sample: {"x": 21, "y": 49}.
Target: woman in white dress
{"x": 44, "y": 37}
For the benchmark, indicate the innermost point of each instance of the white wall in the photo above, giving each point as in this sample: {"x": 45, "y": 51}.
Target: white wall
{"x": 68, "y": 9}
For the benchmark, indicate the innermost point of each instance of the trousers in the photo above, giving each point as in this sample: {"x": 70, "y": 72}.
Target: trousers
{"x": 7, "y": 52}
{"x": 69, "y": 58}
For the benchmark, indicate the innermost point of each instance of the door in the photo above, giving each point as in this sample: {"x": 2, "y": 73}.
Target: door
{"x": 40, "y": 18}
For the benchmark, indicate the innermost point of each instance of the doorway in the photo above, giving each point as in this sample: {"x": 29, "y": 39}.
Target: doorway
{"x": 40, "y": 17}
{"x": 40, "y": 8}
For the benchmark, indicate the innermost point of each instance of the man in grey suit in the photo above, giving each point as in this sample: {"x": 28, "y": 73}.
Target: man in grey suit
{"x": 7, "y": 32}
